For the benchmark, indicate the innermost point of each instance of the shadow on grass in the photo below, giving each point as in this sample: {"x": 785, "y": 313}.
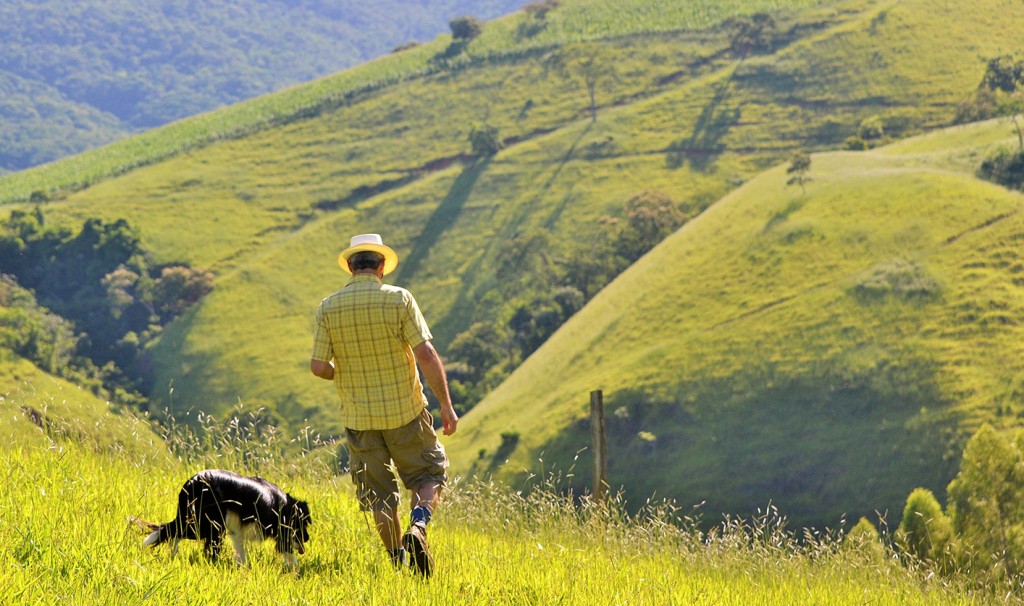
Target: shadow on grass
{"x": 704, "y": 144}
{"x": 444, "y": 216}
{"x": 824, "y": 447}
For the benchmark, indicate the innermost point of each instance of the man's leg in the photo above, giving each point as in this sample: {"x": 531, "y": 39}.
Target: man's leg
{"x": 424, "y": 500}
{"x": 377, "y": 488}
{"x": 389, "y": 527}
{"x": 427, "y": 494}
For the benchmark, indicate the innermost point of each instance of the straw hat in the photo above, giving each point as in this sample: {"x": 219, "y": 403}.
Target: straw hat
{"x": 371, "y": 242}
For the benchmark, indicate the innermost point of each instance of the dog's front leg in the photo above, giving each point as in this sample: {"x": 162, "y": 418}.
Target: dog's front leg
{"x": 239, "y": 544}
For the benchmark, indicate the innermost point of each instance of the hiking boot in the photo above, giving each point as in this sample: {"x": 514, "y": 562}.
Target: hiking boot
{"x": 415, "y": 542}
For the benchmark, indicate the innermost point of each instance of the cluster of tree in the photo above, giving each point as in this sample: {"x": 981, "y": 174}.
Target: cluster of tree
{"x": 101, "y": 300}
{"x": 981, "y": 533}
{"x": 33, "y": 332}
{"x": 481, "y": 356}
{"x": 1000, "y": 93}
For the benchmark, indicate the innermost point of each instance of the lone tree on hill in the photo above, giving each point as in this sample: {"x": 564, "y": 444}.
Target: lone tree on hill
{"x": 798, "y": 167}
{"x": 753, "y": 33}
{"x": 465, "y": 28}
{"x": 578, "y": 63}
{"x": 485, "y": 141}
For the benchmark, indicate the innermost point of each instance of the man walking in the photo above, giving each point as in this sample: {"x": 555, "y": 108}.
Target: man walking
{"x": 368, "y": 339}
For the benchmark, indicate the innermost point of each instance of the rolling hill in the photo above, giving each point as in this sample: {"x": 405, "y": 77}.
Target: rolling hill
{"x": 827, "y": 352}
{"x": 77, "y": 74}
{"x": 770, "y": 349}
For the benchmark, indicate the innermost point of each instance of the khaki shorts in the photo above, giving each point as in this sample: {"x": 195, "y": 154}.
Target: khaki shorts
{"x": 412, "y": 450}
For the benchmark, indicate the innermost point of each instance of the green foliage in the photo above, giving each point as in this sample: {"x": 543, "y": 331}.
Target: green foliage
{"x": 871, "y": 128}
{"x": 864, "y": 539}
{"x": 650, "y": 217}
{"x": 1005, "y": 167}
{"x": 749, "y": 34}
{"x": 741, "y": 319}
{"x": 1003, "y": 73}
{"x": 537, "y": 21}
{"x": 32, "y": 332}
{"x": 539, "y": 9}
{"x": 465, "y": 28}
{"x": 986, "y": 502}
{"x": 1000, "y": 93}
{"x": 479, "y": 347}
{"x": 485, "y": 141}
{"x": 924, "y": 530}
{"x": 798, "y": 167}
{"x": 97, "y": 282}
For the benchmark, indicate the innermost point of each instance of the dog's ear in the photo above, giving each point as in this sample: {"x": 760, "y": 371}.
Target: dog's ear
{"x": 303, "y": 510}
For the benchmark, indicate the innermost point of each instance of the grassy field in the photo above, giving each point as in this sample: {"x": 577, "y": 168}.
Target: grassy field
{"x": 65, "y": 537}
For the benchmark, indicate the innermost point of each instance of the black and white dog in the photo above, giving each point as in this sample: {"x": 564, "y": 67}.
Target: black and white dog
{"x": 215, "y": 502}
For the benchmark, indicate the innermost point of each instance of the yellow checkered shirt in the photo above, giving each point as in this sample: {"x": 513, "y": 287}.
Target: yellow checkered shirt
{"x": 369, "y": 329}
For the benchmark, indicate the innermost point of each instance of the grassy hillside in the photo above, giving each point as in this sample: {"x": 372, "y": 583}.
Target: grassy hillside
{"x": 266, "y": 194}
{"x": 40, "y": 409}
{"x": 64, "y": 537}
{"x": 827, "y": 351}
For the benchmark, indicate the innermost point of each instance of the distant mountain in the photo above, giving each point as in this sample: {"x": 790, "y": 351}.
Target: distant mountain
{"x": 75, "y": 74}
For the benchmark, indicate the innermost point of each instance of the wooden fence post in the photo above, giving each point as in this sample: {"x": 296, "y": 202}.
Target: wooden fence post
{"x": 597, "y": 440}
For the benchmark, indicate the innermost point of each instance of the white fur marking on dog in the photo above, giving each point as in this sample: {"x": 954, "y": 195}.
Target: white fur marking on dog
{"x": 240, "y": 532}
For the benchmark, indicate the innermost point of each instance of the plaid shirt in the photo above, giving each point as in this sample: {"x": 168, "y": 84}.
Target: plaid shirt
{"x": 369, "y": 329}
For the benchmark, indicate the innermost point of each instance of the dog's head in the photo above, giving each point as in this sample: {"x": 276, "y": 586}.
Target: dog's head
{"x": 295, "y": 523}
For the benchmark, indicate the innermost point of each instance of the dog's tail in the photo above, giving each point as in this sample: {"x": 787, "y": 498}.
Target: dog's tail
{"x": 158, "y": 533}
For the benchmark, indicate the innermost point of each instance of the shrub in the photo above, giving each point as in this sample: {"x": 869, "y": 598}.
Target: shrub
{"x": 856, "y": 144}
{"x": 864, "y": 538}
{"x": 925, "y": 530}
{"x": 986, "y": 501}
{"x": 896, "y": 277}
{"x": 871, "y": 129}
{"x": 465, "y": 28}
{"x": 979, "y": 106}
{"x": 484, "y": 140}
{"x": 1005, "y": 167}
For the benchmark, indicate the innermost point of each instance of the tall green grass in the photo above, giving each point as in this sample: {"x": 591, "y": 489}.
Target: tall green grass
{"x": 65, "y": 538}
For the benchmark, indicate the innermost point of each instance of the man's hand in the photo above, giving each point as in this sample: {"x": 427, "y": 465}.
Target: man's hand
{"x": 450, "y": 418}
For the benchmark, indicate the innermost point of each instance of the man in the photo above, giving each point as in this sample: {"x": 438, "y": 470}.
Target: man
{"x": 368, "y": 339}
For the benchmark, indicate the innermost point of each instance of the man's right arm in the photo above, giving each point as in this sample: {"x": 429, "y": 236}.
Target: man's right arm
{"x": 433, "y": 372}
